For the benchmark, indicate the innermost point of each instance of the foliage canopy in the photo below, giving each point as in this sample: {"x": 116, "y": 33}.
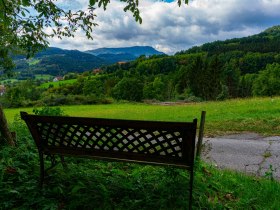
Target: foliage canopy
{"x": 24, "y": 24}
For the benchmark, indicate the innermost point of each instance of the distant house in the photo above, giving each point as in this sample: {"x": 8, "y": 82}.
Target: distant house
{"x": 96, "y": 71}
{"x": 122, "y": 62}
{"x": 58, "y": 78}
{"x": 2, "y": 90}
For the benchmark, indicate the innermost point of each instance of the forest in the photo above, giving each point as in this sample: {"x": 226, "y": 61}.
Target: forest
{"x": 234, "y": 68}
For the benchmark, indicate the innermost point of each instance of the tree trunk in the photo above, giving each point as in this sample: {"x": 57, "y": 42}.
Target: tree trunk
{"x": 4, "y": 129}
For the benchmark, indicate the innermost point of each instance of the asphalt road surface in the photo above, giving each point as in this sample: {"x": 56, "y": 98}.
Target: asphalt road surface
{"x": 249, "y": 153}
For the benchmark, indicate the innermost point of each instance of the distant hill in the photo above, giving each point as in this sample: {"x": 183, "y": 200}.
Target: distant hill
{"x": 134, "y": 52}
{"x": 267, "y": 41}
{"x": 114, "y": 58}
{"x": 56, "y": 61}
{"x": 253, "y": 53}
{"x": 240, "y": 67}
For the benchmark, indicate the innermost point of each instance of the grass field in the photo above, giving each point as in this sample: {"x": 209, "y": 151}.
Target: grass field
{"x": 8, "y": 81}
{"x": 93, "y": 184}
{"x": 33, "y": 61}
{"x": 56, "y": 84}
{"x": 261, "y": 115}
{"x": 43, "y": 76}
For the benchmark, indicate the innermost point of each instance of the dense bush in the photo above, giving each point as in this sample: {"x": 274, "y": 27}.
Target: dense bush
{"x": 267, "y": 82}
{"x": 56, "y": 100}
{"x": 51, "y": 111}
{"x": 128, "y": 89}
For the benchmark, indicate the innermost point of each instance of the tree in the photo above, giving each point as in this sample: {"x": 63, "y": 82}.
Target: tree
{"x": 23, "y": 25}
{"x": 213, "y": 83}
{"x": 267, "y": 83}
{"x": 232, "y": 77}
{"x": 154, "y": 90}
{"x": 94, "y": 86}
{"x": 246, "y": 84}
{"x": 128, "y": 89}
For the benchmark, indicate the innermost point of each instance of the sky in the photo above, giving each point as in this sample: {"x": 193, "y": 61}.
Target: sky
{"x": 170, "y": 28}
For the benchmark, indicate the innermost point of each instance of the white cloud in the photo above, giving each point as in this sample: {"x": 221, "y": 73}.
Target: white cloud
{"x": 170, "y": 28}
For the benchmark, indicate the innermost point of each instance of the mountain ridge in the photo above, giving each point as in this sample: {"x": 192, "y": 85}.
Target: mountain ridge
{"x": 134, "y": 50}
{"x": 57, "y": 61}
{"x": 265, "y": 41}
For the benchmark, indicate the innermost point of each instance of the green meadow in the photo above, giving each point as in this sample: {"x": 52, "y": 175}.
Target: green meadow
{"x": 261, "y": 115}
{"x": 93, "y": 184}
{"x": 8, "y": 81}
{"x": 43, "y": 76}
{"x": 58, "y": 83}
{"x": 33, "y": 61}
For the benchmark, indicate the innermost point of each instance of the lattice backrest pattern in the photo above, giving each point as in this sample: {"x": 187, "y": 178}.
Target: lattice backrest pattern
{"x": 143, "y": 141}
{"x": 146, "y": 141}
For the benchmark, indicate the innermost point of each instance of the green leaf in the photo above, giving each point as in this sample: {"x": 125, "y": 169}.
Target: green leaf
{"x": 76, "y": 188}
{"x": 92, "y": 2}
{"x": 25, "y": 3}
{"x": 14, "y": 191}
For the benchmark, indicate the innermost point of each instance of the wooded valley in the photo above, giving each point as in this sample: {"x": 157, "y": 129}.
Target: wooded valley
{"x": 234, "y": 68}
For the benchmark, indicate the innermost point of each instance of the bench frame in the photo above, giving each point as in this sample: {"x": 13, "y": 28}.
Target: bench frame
{"x": 148, "y": 142}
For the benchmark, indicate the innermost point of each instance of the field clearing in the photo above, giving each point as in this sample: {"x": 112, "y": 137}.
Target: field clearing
{"x": 43, "y": 76}
{"x": 33, "y": 61}
{"x": 260, "y": 115}
{"x": 58, "y": 83}
{"x": 8, "y": 81}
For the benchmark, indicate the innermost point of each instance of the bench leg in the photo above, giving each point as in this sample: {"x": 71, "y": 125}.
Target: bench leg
{"x": 63, "y": 162}
{"x": 191, "y": 188}
{"x": 42, "y": 169}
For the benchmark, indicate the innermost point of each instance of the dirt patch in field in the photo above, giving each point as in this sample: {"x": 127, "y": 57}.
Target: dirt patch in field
{"x": 170, "y": 103}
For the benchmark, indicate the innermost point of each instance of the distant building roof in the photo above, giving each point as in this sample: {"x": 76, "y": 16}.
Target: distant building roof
{"x": 97, "y": 71}
{"x": 122, "y": 62}
{"x": 58, "y": 78}
{"x": 2, "y": 89}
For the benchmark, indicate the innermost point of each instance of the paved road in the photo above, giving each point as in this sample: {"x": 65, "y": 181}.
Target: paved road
{"x": 248, "y": 153}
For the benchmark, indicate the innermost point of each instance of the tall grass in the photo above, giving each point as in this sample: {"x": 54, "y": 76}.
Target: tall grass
{"x": 92, "y": 184}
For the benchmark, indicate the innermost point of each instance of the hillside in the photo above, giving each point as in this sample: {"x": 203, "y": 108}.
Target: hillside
{"x": 56, "y": 61}
{"x": 240, "y": 67}
{"x": 264, "y": 42}
{"x": 114, "y": 58}
{"x": 234, "y": 68}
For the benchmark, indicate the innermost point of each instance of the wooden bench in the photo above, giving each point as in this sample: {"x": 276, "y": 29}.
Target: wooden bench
{"x": 149, "y": 142}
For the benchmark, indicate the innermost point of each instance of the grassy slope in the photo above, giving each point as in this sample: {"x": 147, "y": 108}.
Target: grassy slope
{"x": 88, "y": 184}
{"x": 43, "y": 76}
{"x": 8, "y": 80}
{"x": 56, "y": 84}
{"x": 261, "y": 115}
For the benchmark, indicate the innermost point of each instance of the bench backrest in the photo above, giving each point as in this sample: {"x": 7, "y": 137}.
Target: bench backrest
{"x": 171, "y": 143}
